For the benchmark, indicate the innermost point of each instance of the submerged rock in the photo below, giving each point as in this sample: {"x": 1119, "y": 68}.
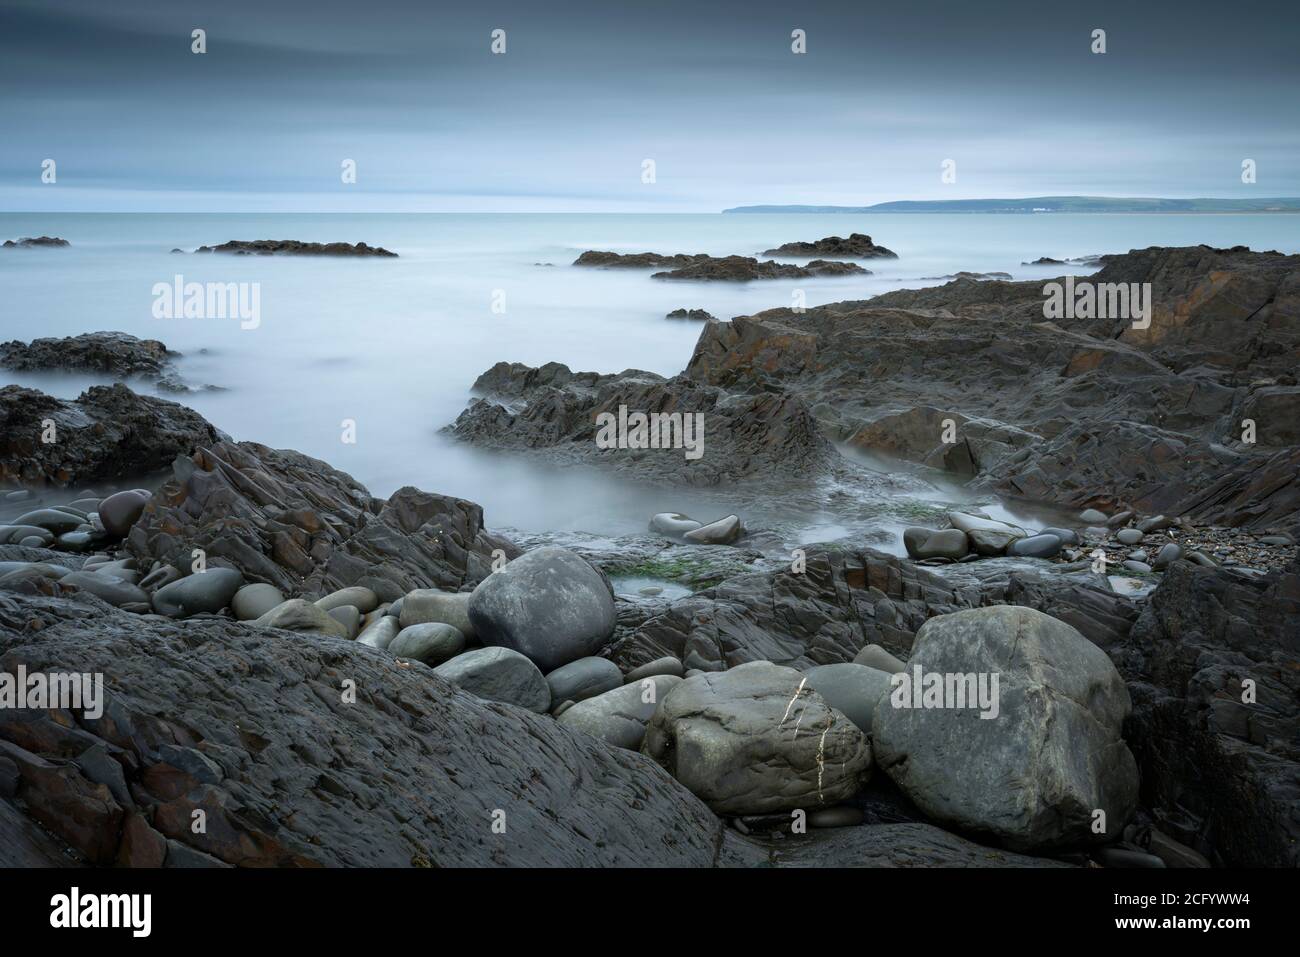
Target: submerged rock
{"x": 294, "y": 247}
{"x": 857, "y": 246}
{"x": 746, "y": 268}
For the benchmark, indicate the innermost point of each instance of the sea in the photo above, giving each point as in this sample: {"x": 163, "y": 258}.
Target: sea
{"x": 393, "y": 346}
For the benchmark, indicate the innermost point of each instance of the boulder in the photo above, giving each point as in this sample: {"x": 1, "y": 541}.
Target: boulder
{"x": 584, "y": 678}
{"x": 851, "y": 688}
{"x": 1036, "y": 546}
{"x": 498, "y": 674}
{"x": 253, "y": 601}
{"x": 873, "y": 656}
{"x": 432, "y": 605}
{"x": 549, "y": 604}
{"x": 1048, "y": 754}
{"x": 987, "y": 537}
{"x": 756, "y": 740}
{"x": 119, "y": 511}
{"x": 431, "y": 642}
{"x": 380, "y": 632}
{"x": 203, "y": 592}
{"x": 619, "y": 717}
{"x": 673, "y": 524}
{"x": 724, "y": 531}
{"x": 360, "y": 597}
{"x": 297, "y": 614}
{"x": 926, "y": 543}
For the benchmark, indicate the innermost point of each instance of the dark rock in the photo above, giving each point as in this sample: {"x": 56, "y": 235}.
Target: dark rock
{"x": 498, "y": 674}
{"x": 697, "y": 314}
{"x": 857, "y": 246}
{"x": 312, "y": 781}
{"x": 116, "y": 354}
{"x": 584, "y": 678}
{"x": 619, "y": 716}
{"x": 745, "y": 268}
{"x": 635, "y": 260}
{"x": 29, "y": 242}
{"x": 293, "y": 247}
{"x": 202, "y": 592}
{"x": 430, "y": 642}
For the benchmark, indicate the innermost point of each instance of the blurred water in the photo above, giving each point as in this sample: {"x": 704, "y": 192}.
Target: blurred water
{"x": 395, "y": 344}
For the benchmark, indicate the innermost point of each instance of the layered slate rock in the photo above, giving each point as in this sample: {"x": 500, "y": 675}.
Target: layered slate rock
{"x": 294, "y": 247}
{"x": 106, "y": 433}
{"x": 553, "y": 410}
{"x": 292, "y": 521}
{"x": 1080, "y": 412}
{"x": 856, "y": 246}
{"x": 251, "y": 726}
{"x": 756, "y": 740}
{"x": 1031, "y": 760}
{"x": 1220, "y": 773}
{"x": 844, "y": 601}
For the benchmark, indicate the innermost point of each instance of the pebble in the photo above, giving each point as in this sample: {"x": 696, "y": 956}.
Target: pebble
{"x": 1154, "y": 524}
{"x": 1167, "y": 555}
{"x": 1115, "y": 521}
{"x": 1090, "y": 516}
{"x": 1128, "y": 536}
{"x": 1137, "y": 566}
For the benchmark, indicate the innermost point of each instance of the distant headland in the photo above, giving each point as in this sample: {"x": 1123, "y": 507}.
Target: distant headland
{"x": 1050, "y": 204}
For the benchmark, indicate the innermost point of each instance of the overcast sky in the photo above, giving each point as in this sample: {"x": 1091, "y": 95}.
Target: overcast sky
{"x": 586, "y": 91}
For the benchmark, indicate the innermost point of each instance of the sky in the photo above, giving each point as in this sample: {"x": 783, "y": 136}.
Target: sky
{"x": 586, "y": 92}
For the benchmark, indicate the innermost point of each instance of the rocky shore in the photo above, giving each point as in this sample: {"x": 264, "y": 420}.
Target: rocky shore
{"x": 338, "y": 679}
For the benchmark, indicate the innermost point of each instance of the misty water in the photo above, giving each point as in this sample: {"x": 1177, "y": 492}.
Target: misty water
{"x": 395, "y": 344}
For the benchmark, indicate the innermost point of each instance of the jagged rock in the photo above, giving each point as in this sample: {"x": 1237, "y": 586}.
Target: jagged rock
{"x": 293, "y": 522}
{"x": 756, "y": 740}
{"x": 746, "y": 268}
{"x": 117, "y": 354}
{"x": 1219, "y": 774}
{"x": 291, "y": 775}
{"x": 635, "y": 260}
{"x": 294, "y": 247}
{"x": 555, "y": 411}
{"x": 699, "y": 315}
{"x": 29, "y": 242}
{"x": 107, "y": 433}
{"x": 857, "y": 246}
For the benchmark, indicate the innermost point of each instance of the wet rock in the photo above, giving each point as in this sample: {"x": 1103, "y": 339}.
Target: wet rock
{"x": 924, "y": 543}
{"x": 548, "y": 604}
{"x": 430, "y": 642}
{"x": 1057, "y": 714}
{"x": 667, "y": 665}
{"x": 498, "y": 674}
{"x": 619, "y": 716}
{"x": 635, "y": 260}
{"x": 363, "y": 599}
{"x": 380, "y": 632}
{"x": 756, "y": 740}
{"x": 30, "y": 242}
{"x": 673, "y": 524}
{"x": 987, "y": 537}
{"x": 699, "y": 315}
{"x": 121, "y": 510}
{"x": 856, "y": 246}
{"x": 584, "y": 678}
{"x": 203, "y": 592}
{"x": 1128, "y": 536}
{"x": 114, "y": 354}
{"x": 724, "y": 531}
{"x": 746, "y": 268}
{"x": 112, "y": 590}
{"x": 1036, "y": 546}
{"x": 348, "y": 617}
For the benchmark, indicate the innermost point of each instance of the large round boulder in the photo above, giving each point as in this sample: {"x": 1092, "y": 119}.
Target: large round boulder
{"x": 851, "y": 688}
{"x": 757, "y": 739}
{"x": 619, "y": 717}
{"x": 548, "y": 604}
{"x": 1008, "y": 724}
{"x": 203, "y": 592}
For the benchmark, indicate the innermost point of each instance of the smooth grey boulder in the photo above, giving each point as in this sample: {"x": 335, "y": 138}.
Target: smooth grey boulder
{"x": 548, "y": 604}
{"x": 121, "y": 510}
{"x": 1036, "y": 546}
{"x": 253, "y": 601}
{"x": 1167, "y": 555}
{"x": 987, "y": 537}
{"x": 347, "y": 616}
{"x": 1136, "y": 566}
{"x": 673, "y": 524}
{"x": 722, "y": 532}
{"x": 498, "y": 674}
{"x": 853, "y": 689}
{"x": 874, "y": 656}
{"x": 619, "y": 716}
{"x": 1068, "y": 536}
{"x": 112, "y": 590}
{"x": 755, "y": 740}
{"x": 358, "y": 596}
{"x": 1090, "y": 516}
{"x": 1154, "y": 524}
{"x": 203, "y": 592}
{"x": 923, "y": 543}
{"x": 54, "y": 520}
{"x": 667, "y": 665}
{"x": 380, "y": 632}
{"x": 431, "y": 605}
{"x": 432, "y": 642}
{"x": 1033, "y": 774}
{"x": 584, "y": 678}
{"x": 297, "y": 614}
{"x": 1128, "y": 536}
